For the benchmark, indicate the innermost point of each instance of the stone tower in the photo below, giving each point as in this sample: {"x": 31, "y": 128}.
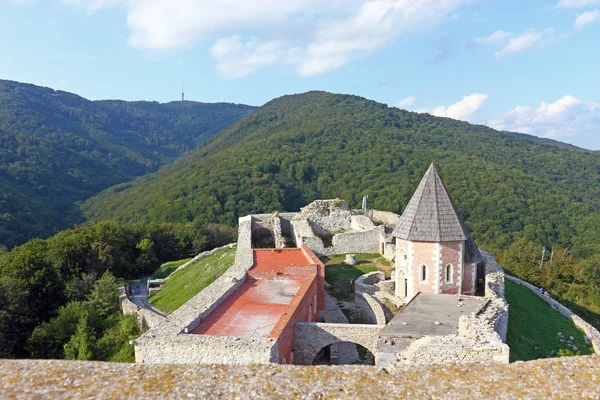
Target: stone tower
{"x": 434, "y": 251}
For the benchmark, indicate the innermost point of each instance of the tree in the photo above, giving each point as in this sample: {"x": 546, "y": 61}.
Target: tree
{"x": 48, "y": 339}
{"x": 82, "y": 343}
{"x": 147, "y": 258}
{"x": 522, "y": 258}
{"x": 104, "y": 298}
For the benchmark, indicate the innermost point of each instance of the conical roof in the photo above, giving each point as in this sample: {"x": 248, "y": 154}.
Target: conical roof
{"x": 430, "y": 215}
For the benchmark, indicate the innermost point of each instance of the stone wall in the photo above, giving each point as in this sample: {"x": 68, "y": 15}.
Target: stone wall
{"x": 370, "y": 308}
{"x": 480, "y": 338}
{"x": 162, "y": 343}
{"x": 206, "y": 349}
{"x": 201, "y": 256}
{"x": 146, "y": 318}
{"x": 310, "y": 338}
{"x": 327, "y": 217}
{"x": 374, "y": 283}
{"x": 342, "y": 243}
{"x": 591, "y": 332}
{"x": 384, "y": 217}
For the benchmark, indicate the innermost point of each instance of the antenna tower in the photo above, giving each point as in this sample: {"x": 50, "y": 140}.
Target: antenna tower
{"x": 182, "y": 96}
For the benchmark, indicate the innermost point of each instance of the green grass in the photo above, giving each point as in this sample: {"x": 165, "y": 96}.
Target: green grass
{"x": 167, "y": 268}
{"x": 339, "y": 274}
{"x": 533, "y": 328}
{"x": 188, "y": 282}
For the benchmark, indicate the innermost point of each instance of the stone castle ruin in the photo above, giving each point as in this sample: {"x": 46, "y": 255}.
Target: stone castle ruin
{"x": 271, "y": 306}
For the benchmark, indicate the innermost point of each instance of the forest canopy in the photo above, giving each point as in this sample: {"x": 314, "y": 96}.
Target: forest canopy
{"x": 57, "y": 149}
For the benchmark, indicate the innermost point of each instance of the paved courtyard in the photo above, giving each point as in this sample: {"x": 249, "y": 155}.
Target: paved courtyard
{"x": 431, "y": 314}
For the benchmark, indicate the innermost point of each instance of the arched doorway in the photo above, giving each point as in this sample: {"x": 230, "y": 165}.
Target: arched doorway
{"x": 344, "y": 353}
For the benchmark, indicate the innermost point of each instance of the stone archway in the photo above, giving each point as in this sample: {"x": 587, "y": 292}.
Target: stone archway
{"x": 311, "y": 338}
{"x": 344, "y": 353}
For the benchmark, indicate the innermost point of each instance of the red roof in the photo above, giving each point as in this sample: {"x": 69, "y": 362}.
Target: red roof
{"x": 277, "y": 277}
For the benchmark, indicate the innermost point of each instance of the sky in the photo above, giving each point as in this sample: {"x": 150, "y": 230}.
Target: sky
{"x": 525, "y": 66}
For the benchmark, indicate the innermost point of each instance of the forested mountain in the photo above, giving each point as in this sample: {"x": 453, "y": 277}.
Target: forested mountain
{"x": 57, "y": 148}
{"x": 318, "y": 145}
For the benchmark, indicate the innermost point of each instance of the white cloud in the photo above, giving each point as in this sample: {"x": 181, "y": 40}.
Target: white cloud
{"x": 236, "y": 59}
{"x": 587, "y": 18}
{"x": 407, "y": 102}
{"x": 527, "y": 40}
{"x": 314, "y": 36}
{"x": 566, "y": 117}
{"x": 465, "y": 109}
{"x": 576, "y": 3}
{"x": 498, "y": 36}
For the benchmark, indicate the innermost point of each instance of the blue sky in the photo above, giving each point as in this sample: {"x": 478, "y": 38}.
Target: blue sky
{"x": 528, "y": 66}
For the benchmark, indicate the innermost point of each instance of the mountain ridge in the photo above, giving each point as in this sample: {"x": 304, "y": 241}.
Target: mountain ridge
{"x": 58, "y": 148}
{"x": 297, "y": 148}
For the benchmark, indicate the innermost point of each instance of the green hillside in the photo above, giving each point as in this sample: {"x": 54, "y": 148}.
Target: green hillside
{"x": 57, "y": 148}
{"x": 318, "y": 145}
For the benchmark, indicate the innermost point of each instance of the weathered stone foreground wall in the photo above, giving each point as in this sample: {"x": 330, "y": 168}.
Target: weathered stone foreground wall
{"x": 566, "y": 378}
{"x": 591, "y": 332}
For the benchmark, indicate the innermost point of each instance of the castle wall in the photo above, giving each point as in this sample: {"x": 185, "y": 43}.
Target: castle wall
{"x": 384, "y": 217}
{"x": 305, "y": 310}
{"x": 168, "y": 341}
{"x": 204, "y": 349}
{"x": 369, "y": 308}
{"x": 312, "y": 337}
{"x": 146, "y": 319}
{"x": 342, "y": 243}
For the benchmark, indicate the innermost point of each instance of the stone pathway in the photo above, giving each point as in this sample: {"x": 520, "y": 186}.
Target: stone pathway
{"x": 139, "y": 296}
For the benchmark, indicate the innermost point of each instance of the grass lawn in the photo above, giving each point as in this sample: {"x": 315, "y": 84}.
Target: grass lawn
{"x": 188, "y": 282}
{"x": 534, "y": 327}
{"x": 167, "y": 268}
{"x": 339, "y": 274}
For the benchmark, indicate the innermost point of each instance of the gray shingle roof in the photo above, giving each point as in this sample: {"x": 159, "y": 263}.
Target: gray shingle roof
{"x": 430, "y": 216}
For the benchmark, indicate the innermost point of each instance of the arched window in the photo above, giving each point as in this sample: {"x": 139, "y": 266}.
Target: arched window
{"x": 423, "y": 273}
{"x": 449, "y": 273}
{"x": 402, "y": 256}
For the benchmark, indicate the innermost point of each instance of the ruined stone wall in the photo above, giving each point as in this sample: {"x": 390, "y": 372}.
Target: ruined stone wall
{"x": 452, "y": 349}
{"x": 384, "y": 217}
{"x": 310, "y": 338}
{"x": 342, "y": 243}
{"x": 327, "y": 217}
{"x": 370, "y": 308}
{"x": 205, "y": 349}
{"x": 374, "y": 283}
{"x": 361, "y": 223}
{"x": 592, "y": 333}
{"x": 146, "y": 319}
